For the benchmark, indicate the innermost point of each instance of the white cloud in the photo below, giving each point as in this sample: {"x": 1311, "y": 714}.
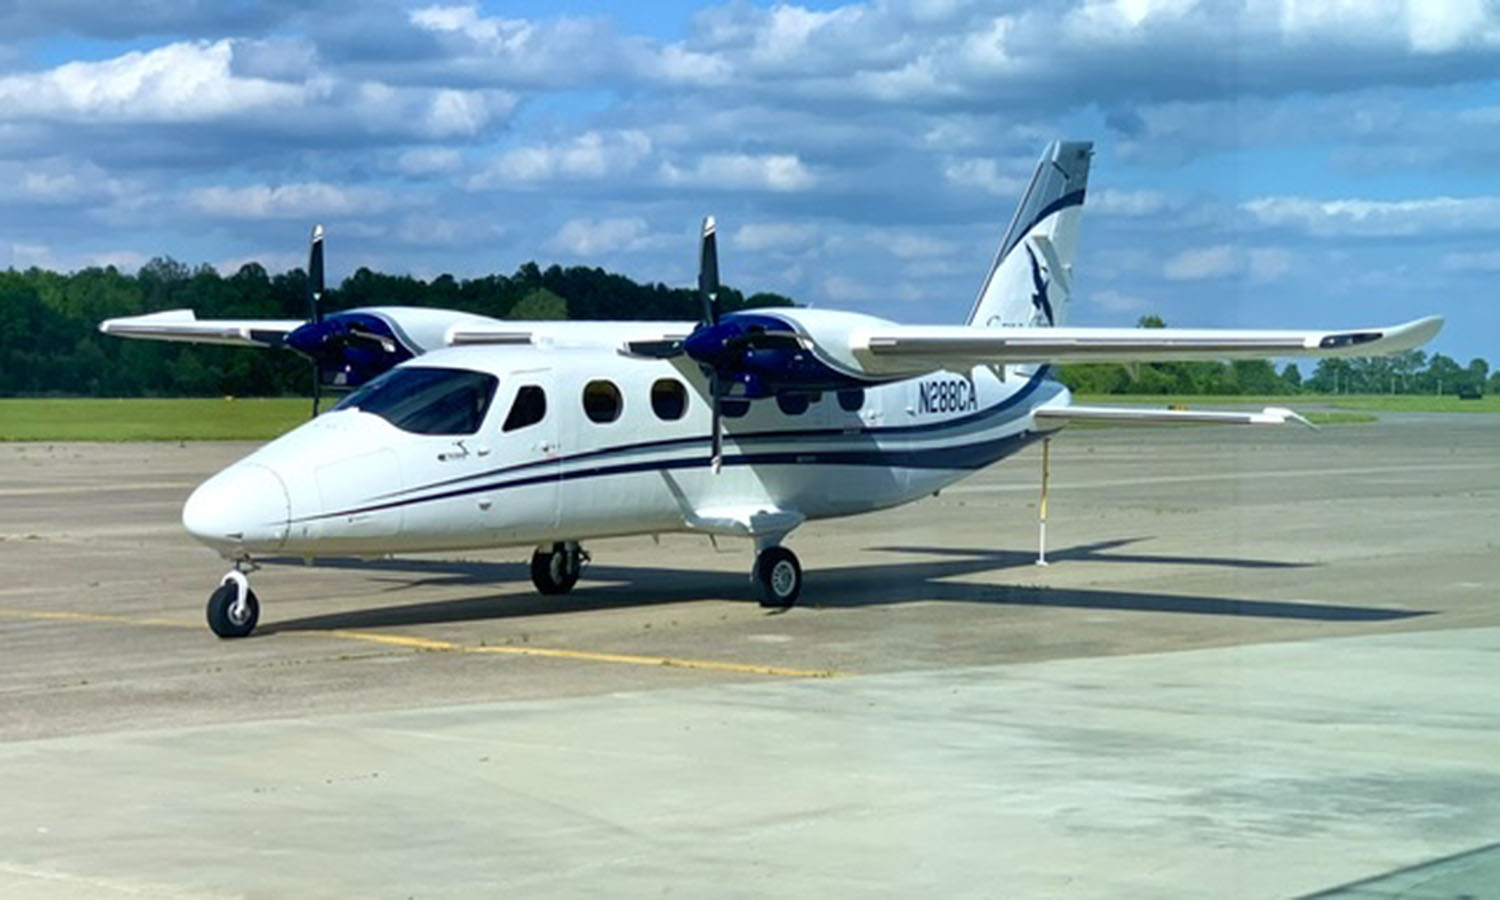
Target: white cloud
{"x": 1259, "y": 264}
{"x": 305, "y": 200}
{"x": 1377, "y": 218}
{"x": 1476, "y": 261}
{"x": 201, "y": 83}
{"x": 1267, "y": 263}
{"x": 1200, "y": 263}
{"x": 24, "y": 255}
{"x": 780, "y": 172}
{"x": 1130, "y": 204}
{"x": 589, "y": 237}
{"x": 843, "y": 289}
{"x": 429, "y": 161}
{"x": 758, "y": 236}
{"x": 908, "y": 245}
{"x": 1113, "y": 301}
{"x": 983, "y": 173}
{"x": 592, "y": 155}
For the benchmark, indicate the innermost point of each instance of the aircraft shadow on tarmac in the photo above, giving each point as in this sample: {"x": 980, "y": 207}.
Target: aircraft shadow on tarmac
{"x": 843, "y": 587}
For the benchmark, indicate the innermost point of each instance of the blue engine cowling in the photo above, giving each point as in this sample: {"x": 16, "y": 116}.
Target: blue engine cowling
{"x": 757, "y": 356}
{"x": 350, "y": 348}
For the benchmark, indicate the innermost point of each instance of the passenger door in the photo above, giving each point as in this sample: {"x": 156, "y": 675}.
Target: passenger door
{"x": 523, "y": 495}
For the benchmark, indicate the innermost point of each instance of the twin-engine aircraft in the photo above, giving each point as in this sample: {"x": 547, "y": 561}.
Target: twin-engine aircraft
{"x": 466, "y": 432}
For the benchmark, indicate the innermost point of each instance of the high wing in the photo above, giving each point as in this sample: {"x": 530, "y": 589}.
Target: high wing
{"x": 183, "y": 325}
{"x": 891, "y": 349}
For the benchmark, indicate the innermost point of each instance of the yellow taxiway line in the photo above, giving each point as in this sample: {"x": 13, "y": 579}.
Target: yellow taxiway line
{"x": 440, "y": 646}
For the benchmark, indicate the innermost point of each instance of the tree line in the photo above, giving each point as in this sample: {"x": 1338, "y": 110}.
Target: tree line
{"x": 1412, "y": 372}
{"x": 50, "y": 344}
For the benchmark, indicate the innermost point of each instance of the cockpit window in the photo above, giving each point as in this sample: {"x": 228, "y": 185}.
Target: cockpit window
{"x": 427, "y": 401}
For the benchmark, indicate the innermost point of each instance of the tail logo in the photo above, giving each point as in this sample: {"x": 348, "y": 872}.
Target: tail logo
{"x": 1039, "y": 299}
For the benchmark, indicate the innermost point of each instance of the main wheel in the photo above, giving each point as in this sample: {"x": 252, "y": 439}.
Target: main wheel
{"x": 229, "y": 619}
{"x": 556, "y": 570}
{"x": 778, "y": 578}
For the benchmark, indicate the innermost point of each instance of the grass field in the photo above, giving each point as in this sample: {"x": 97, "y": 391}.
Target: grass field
{"x": 149, "y": 419}
{"x": 225, "y": 419}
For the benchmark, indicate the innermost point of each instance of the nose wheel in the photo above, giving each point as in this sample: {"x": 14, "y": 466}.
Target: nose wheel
{"x": 233, "y": 608}
{"x": 555, "y": 569}
{"x": 778, "y": 578}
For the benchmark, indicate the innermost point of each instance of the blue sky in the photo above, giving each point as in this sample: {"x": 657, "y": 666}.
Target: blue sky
{"x": 1259, "y": 163}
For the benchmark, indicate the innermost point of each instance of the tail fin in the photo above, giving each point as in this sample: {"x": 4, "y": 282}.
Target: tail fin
{"x": 1031, "y": 277}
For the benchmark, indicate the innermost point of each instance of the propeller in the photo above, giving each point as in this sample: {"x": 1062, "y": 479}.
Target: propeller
{"x": 315, "y": 305}
{"x": 725, "y": 348}
{"x": 708, "y": 295}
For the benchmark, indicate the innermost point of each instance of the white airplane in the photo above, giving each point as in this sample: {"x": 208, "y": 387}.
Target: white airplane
{"x": 469, "y": 432}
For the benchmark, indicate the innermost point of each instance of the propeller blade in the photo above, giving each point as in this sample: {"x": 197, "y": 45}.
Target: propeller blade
{"x": 708, "y": 273}
{"x": 317, "y": 388}
{"x": 315, "y": 275}
{"x": 716, "y": 457}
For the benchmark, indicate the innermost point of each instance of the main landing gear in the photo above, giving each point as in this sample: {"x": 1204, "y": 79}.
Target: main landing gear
{"x": 777, "y": 576}
{"x": 233, "y": 608}
{"x": 555, "y": 569}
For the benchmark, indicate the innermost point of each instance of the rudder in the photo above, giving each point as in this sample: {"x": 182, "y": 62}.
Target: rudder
{"x": 1031, "y": 278}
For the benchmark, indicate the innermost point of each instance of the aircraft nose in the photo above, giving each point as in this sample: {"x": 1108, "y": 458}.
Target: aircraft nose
{"x": 243, "y": 508}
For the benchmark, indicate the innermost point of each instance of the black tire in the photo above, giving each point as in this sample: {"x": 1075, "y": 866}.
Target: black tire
{"x": 778, "y": 578}
{"x": 555, "y": 571}
{"x": 221, "y": 616}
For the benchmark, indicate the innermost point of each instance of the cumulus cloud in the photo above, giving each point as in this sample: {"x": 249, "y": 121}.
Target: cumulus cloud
{"x": 759, "y": 236}
{"x": 590, "y": 156}
{"x": 1224, "y": 260}
{"x": 984, "y": 174}
{"x": 780, "y": 172}
{"x": 304, "y": 200}
{"x": 1377, "y": 218}
{"x": 199, "y": 83}
{"x": 590, "y": 237}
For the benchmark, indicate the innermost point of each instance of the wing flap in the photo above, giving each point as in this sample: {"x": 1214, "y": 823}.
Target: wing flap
{"x": 185, "y": 326}
{"x": 1125, "y": 415}
{"x": 898, "y": 348}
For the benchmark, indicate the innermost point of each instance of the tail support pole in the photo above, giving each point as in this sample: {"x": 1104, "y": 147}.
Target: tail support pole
{"x": 1041, "y": 548}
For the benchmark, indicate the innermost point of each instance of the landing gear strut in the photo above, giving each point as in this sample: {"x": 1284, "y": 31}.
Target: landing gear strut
{"x": 777, "y": 576}
{"x": 233, "y": 608}
{"x": 555, "y": 569}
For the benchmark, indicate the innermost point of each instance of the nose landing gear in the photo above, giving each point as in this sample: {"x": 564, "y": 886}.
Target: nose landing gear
{"x": 233, "y": 608}
{"x": 555, "y": 569}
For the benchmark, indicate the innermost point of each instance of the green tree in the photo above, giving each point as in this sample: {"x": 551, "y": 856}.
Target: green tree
{"x": 540, "y": 304}
{"x": 1291, "y": 377}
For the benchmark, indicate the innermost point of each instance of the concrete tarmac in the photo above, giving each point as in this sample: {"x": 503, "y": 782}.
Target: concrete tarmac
{"x": 1259, "y": 666}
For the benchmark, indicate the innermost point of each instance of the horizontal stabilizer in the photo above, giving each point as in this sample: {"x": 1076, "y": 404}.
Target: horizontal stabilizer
{"x": 184, "y": 325}
{"x": 1125, "y": 415}
{"x": 902, "y": 348}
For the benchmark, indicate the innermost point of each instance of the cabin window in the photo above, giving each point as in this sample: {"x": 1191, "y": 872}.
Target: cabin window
{"x": 734, "y": 409}
{"x": 602, "y": 401}
{"x": 852, "y": 400}
{"x": 793, "y": 403}
{"x": 668, "y": 399}
{"x": 424, "y": 400}
{"x": 529, "y": 408}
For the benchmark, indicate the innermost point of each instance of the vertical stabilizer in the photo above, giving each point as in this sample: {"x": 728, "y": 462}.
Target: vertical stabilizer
{"x": 1031, "y": 278}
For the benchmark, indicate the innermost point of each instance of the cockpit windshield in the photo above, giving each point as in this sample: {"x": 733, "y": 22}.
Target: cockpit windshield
{"x": 427, "y": 400}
